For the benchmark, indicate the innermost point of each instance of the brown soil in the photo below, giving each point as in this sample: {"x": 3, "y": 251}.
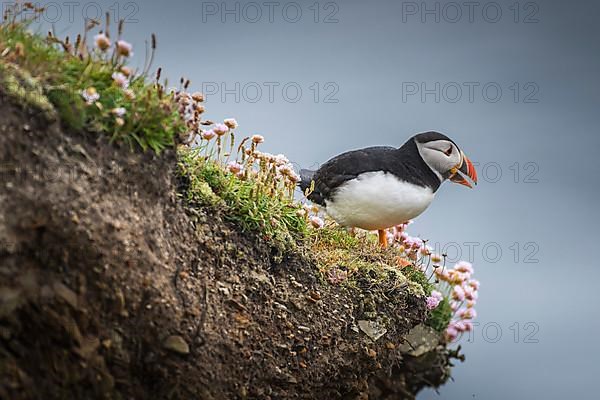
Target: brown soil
{"x": 111, "y": 288}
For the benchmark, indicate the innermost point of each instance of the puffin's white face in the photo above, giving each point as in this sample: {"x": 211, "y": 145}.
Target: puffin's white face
{"x": 442, "y": 156}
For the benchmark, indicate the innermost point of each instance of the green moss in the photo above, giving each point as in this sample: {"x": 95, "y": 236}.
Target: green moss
{"x": 419, "y": 278}
{"x": 360, "y": 256}
{"x": 25, "y": 90}
{"x": 440, "y": 317}
{"x": 337, "y": 237}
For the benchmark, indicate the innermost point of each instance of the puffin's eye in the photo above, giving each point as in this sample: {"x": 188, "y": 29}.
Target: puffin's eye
{"x": 449, "y": 151}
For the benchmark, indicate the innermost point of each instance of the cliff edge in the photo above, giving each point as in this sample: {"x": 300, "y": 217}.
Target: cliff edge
{"x": 111, "y": 287}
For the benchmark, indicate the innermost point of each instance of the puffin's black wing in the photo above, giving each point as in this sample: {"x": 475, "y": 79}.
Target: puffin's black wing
{"x": 348, "y": 166}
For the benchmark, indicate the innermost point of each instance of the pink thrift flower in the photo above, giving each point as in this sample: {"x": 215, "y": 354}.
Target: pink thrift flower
{"x": 220, "y": 129}
{"x": 451, "y": 333}
{"x": 280, "y": 160}
{"x": 470, "y": 293}
{"x": 207, "y": 135}
{"x": 90, "y": 95}
{"x": 468, "y": 326}
{"x": 124, "y": 48}
{"x": 285, "y": 170}
{"x": 257, "y": 139}
{"x": 464, "y": 277}
{"x": 425, "y": 250}
{"x": 454, "y": 305}
{"x": 120, "y": 79}
{"x": 102, "y": 41}
{"x": 234, "y": 167}
{"x": 458, "y": 293}
{"x": 464, "y": 267}
{"x": 231, "y": 123}
{"x": 467, "y": 313}
{"x": 442, "y": 274}
{"x": 417, "y": 243}
{"x": 460, "y": 326}
{"x": 316, "y": 222}
{"x": 126, "y": 71}
{"x": 474, "y": 283}
{"x": 433, "y": 301}
{"x": 198, "y": 97}
{"x": 456, "y": 277}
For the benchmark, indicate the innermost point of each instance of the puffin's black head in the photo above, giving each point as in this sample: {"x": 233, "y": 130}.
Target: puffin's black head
{"x": 444, "y": 157}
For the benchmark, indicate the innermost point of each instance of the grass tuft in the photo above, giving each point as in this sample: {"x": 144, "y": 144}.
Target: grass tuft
{"x": 133, "y": 110}
{"x": 246, "y": 202}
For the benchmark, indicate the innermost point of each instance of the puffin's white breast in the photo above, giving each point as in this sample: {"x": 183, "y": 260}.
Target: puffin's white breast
{"x": 377, "y": 200}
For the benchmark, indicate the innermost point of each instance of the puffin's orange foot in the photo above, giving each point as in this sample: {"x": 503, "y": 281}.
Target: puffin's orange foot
{"x": 382, "y": 238}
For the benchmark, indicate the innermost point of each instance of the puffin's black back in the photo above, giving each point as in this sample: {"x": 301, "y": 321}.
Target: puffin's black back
{"x": 405, "y": 163}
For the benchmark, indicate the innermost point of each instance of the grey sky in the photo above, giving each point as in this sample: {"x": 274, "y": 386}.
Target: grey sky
{"x": 536, "y": 144}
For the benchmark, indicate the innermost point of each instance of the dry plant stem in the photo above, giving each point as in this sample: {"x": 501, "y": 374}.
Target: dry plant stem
{"x": 219, "y": 150}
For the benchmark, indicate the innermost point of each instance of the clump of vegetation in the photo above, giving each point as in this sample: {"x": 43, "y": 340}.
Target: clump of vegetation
{"x": 91, "y": 87}
{"x": 451, "y": 292}
{"x": 256, "y": 188}
{"x": 344, "y": 257}
{"x": 459, "y": 292}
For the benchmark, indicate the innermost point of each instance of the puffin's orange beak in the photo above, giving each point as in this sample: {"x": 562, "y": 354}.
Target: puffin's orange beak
{"x": 467, "y": 168}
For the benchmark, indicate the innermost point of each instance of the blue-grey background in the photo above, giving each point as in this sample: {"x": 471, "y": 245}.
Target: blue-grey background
{"x": 368, "y": 74}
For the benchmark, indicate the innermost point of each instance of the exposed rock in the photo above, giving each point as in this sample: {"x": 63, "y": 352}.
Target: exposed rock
{"x": 373, "y": 329}
{"x": 177, "y": 344}
{"x": 420, "y": 340}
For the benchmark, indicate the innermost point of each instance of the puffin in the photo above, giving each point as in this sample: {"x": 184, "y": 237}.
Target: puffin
{"x": 376, "y": 188}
